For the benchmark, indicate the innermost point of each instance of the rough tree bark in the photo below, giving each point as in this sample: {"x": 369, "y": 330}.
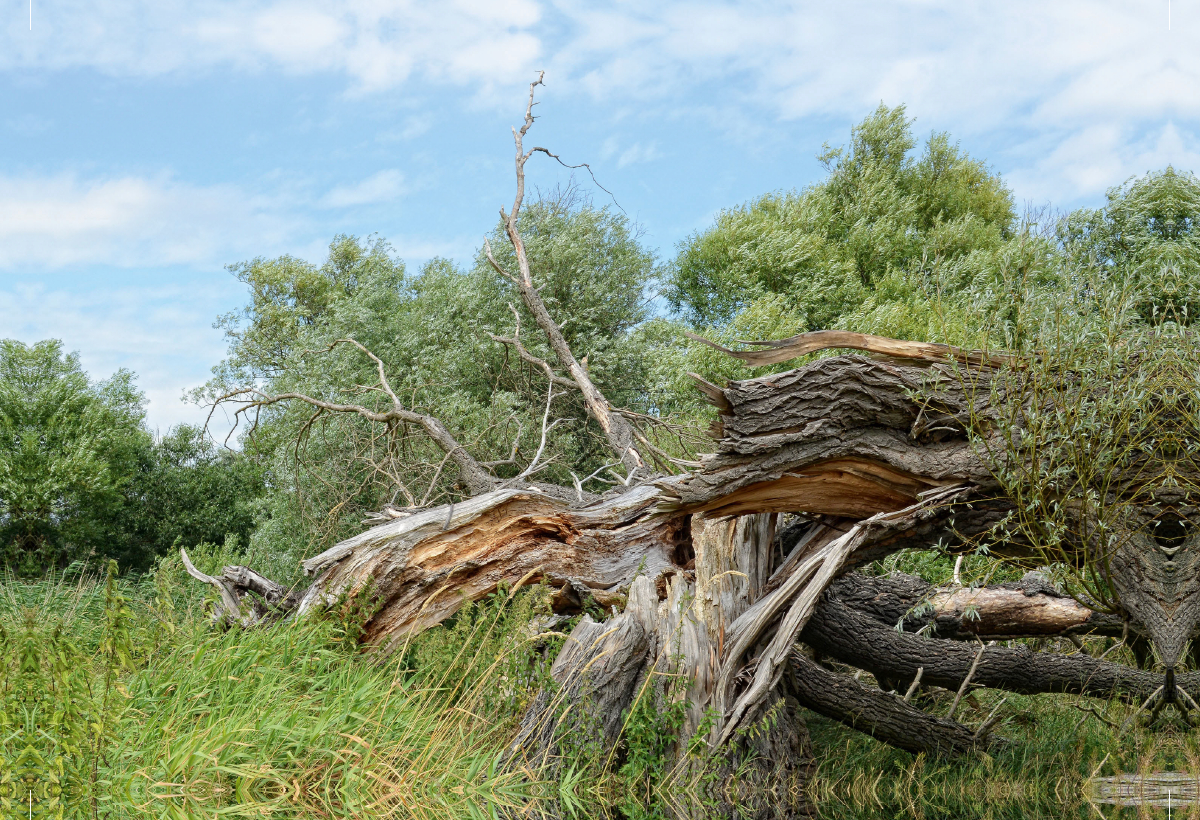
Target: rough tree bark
{"x": 856, "y": 624}
{"x": 873, "y": 453}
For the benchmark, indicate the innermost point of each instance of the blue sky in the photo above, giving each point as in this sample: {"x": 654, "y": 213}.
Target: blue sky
{"x": 148, "y": 143}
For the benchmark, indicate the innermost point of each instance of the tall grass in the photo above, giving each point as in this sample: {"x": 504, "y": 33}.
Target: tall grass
{"x": 121, "y": 699}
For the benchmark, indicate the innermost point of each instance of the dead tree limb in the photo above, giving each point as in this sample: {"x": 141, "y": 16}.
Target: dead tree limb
{"x": 793, "y": 602}
{"x": 853, "y": 444}
{"x": 477, "y": 478}
{"x": 1029, "y": 608}
{"x": 247, "y": 598}
{"x": 817, "y": 340}
{"x": 622, "y": 437}
{"x": 514, "y": 341}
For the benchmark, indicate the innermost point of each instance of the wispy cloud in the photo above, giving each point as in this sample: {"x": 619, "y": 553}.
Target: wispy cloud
{"x": 1101, "y": 156}
{"x": 1065, "y": 68}
{"x": 376, "y": 43}
{"x": 626, "y": 154}
{"x": 67, "y": 219}
{"x": 385, "y": 186}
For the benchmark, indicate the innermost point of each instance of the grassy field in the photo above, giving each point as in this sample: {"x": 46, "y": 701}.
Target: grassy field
{"x": 120, "y": 699}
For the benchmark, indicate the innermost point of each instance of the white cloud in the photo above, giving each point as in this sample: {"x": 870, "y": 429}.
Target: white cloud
{"x": 1033, "y": 80}
{"x": 128, "y": 221}
{"x": 1098, "y": 157}
{"x": 377, "y": 43}
{"x": 384, "y": 186}
{"x": 1065, "y": 68}
{"x": 629, "y": 153}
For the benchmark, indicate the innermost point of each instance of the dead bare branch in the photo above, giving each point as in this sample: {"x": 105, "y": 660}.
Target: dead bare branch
{"x": 473, "y": 474}
{"x": 514, "y": 341}
{"x": 619, "y": 433}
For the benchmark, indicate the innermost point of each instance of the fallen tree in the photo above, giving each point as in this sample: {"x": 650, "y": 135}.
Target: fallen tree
{"x": 846, "y": 442}
{"x": 901, "y": 445}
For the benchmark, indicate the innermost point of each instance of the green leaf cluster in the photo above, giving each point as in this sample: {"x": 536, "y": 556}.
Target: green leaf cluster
{"x": 69, "y": 450}
{"x": 81, "y": 476}
{"x": 827, "y": 249}
{"x": 433, "y": 330}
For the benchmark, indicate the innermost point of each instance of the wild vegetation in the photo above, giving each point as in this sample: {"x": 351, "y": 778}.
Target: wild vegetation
{"x": 369, "y": 393}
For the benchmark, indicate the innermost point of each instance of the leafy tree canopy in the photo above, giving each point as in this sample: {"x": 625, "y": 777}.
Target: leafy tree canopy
{"x": 69, "y": 451}
{"x": 189, "y": 489}
{"x": 1147, "y": 237}
{"x": 827, "y": 248}
{"x": 81, "y": 477}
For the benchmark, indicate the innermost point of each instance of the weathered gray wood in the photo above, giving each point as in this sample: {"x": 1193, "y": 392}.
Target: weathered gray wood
{"x": 247, "y": 598}
{"x": 732, "y": 559}
{"x": 814, "y": 341}
{"x": 794, "y": 601}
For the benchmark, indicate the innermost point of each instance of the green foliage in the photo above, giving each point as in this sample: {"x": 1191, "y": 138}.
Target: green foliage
{"x": 105, "y": 712}
{"x": 1106, "y": 380}
{"x": 69, "y": 452}
{"x": 895, "y": 242}
{"x": 828, "y": 248}
{"x": 190, "y": 489}
{"x": 81, "y": 476}
{"x": 433, "y": 331}
{"x": 1145, "y": 238}
{"x": 496, "y": 639}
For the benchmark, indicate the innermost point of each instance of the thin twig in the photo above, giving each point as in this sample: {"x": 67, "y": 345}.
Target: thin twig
{"x": 915, "y": 683}
{"x": 547, "y": 426}
{"x": 580, "y": 482}
{"x": 1087, "y": 707}
{"x": 967, "y": 680}
{"x": 991, "y": 720}
{"x": 1139, "y": 710}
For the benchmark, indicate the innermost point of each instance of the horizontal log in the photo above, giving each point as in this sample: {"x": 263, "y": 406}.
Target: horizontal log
{"x": 1030, "y": 608}
{"x": 885, "y": 717}
{"x": 999, "y": 613}
{"x": 839, "y": 631}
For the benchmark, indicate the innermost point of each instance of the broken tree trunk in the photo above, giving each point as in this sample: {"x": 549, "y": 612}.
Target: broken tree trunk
{"x": 845, "y": 441}
{"x": 873, "y": 455}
